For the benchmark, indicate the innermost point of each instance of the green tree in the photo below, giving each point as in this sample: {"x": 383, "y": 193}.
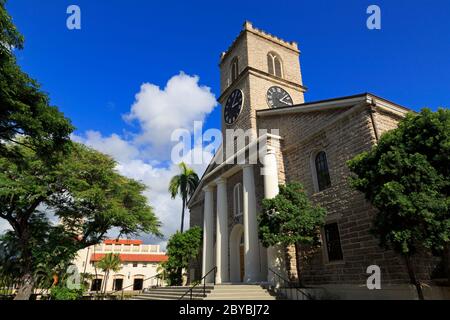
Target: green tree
{"x": 25, "y": 109}
{"x": 184, "y": 185}
{"x": 110, "y": 262}
{"x": 181, "y": 248}
{"x": 291, "y": 219}
{"x": 53, "y": 249}
{"x": 84, "y": 192}
{"x": 66, "y": 294}
{"x": 406, "y": 177}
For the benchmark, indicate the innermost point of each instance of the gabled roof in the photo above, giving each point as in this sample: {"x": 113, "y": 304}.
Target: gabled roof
{"x": 336, "y": 103}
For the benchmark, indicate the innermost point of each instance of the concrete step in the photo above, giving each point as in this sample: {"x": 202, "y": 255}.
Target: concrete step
{"x": 170, "y": 295}
{"x": 250, "y": 298}
{"x": 175, "y": 292}
{"x": 240, "y": 292}
{"x": 182, "y": 289}
{"x": 219, "y": 292}
{"x": 158, "y": 297}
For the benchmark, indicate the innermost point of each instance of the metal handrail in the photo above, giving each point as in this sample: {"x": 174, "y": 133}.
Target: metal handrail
{"x": 204, "y": 284}
{"x": 291, "y": 286}
{"x": 131, "y": 285}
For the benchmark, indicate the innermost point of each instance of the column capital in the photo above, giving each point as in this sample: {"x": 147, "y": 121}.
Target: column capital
{"x": 208, "y": 188}
{"x": 220, "y": 180}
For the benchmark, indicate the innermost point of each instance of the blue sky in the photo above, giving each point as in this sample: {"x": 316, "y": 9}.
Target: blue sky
{"x": 94, "y": 74}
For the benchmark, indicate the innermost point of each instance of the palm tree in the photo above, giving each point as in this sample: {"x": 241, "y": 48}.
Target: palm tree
{"x": 110, "y": 262}
{"x": 184, "y": 185}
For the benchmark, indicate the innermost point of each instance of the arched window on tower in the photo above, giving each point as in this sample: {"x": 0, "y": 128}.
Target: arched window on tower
{"x": 322, "y": 172}
{"x": 274, "y": 64}
{"x": 237, "y": 200}
{"x": 234, "y": 69}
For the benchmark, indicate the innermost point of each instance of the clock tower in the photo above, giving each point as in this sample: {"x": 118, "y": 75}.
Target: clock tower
{"x": 258, "y": 71}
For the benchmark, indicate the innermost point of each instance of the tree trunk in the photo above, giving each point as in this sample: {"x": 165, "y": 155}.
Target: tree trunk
{"x": 106, "y": 282}
{"x": 26, "y": 287}
{"x": 27, "y": 280}
{"x": 412, "y": 277}
{"x": 182, "y": 215}
{"x": 297, "y": 264}
{"x": 446, "y": 262}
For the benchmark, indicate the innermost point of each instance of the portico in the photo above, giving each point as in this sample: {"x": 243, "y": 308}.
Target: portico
{"x": 223, "y": 253}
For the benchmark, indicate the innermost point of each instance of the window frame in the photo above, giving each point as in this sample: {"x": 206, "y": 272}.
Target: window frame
{"x": 238, "y": 204}
{"x": 326, "y": 244}
{"x": 234, "y": 69}
{"x": 96, "y": 284}
{"x": 272, "y": 57}
{"x": 318, "y": 187}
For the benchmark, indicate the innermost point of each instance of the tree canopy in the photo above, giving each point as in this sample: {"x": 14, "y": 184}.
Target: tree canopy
{"x": 25, "y": 108}
{"x": 181, "y": 248}
{"x": 291, "y": 219}
{"x": 83, "y": 192}
{"x": 183, "y": 184}
{"x": 406, "y": 177}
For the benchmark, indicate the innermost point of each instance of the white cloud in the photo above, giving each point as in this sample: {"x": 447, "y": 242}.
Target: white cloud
{"x": 114, "y": 145}
{"x": 178, "y": 105}
{"x": 158, "y": 113}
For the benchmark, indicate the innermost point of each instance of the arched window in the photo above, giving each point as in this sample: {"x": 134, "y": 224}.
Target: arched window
{"x": 237, "y": 200}
{"x": 322, "y": 172}
{"x": 275, "y": 65}
{"x": 234, "y": 69}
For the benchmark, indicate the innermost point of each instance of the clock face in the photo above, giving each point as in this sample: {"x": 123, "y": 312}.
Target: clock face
{"x": 278, "y": 97}
{"x": 233, "y": 106}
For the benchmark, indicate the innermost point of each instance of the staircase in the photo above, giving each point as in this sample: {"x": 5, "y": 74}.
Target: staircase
{"x": 240, "y": 292}
{"x": 172, "y": 293}
{"x": 218, "y": 292}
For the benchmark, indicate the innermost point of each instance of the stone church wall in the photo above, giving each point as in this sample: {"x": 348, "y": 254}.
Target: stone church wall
{"x": 343, "y": 140}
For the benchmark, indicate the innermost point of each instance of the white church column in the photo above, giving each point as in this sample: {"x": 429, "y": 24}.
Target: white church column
{"x": 208, "y": 253}
{"x": 222, "y": 232}
{"x": 251, "y": 243}
{"x": 271, "y": 189}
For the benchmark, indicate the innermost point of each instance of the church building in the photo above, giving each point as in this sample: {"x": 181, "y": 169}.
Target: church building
{"x": 308, "y": 142}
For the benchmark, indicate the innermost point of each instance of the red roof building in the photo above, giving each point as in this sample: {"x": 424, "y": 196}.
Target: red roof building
{"x": 133, "y": 257}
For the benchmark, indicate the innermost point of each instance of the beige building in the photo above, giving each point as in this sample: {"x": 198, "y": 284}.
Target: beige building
{"x": 307, "y": 142}
{"x": 139, "y": 263}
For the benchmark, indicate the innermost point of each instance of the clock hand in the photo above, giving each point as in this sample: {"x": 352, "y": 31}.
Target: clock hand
{"x": 282, "y": 99}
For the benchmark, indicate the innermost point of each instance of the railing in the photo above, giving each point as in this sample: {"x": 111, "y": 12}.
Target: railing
{"x": 289, "y": 285}
{"x": 191, "y": 289}
{"x": 158, "y": 276}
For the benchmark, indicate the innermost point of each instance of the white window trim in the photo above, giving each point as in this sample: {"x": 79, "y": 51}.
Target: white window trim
{"x": 237, "y": 202}
{"x": 273, "y": 56}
